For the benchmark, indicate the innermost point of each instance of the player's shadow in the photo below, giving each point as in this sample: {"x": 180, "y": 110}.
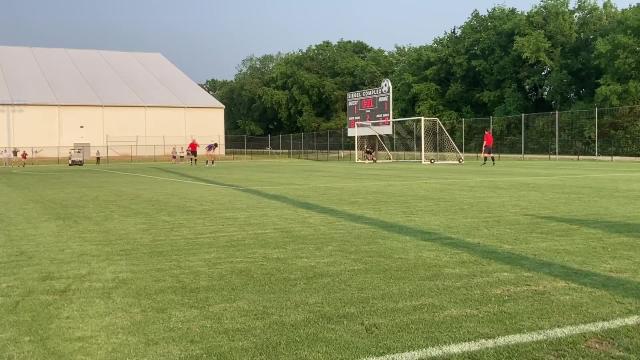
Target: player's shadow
{"x": 614, "y": 285}
{"x": 612, "y": 227}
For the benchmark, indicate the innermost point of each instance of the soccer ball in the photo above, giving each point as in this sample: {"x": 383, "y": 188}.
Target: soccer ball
{"x": 386, "y": 86}
{"x": 433, "y": 161}
{"x": 460, "y": 160}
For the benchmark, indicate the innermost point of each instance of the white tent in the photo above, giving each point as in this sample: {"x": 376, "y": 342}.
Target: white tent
{"x": 57, "y": 97}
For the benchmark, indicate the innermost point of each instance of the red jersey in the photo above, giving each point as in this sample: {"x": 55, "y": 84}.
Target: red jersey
{"x": 488, "y": 139}
{"x": 193, "y": 146}
{"x": 24, "y": 156}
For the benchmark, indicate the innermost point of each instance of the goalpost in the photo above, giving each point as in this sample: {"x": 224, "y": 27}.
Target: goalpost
{"x": 417, "y": 139}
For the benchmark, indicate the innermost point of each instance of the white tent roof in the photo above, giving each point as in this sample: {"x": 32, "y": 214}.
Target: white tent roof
{"x": 43, "y": 76}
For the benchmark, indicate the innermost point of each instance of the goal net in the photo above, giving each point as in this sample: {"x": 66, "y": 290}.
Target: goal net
{"x": 417, "y": 139}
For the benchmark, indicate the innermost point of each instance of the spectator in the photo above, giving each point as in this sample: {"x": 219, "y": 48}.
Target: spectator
{"x": 6, "y": 157}
{"x": 24, "y": 156}
{"x": 14, "y": 152}
{"x": 174, "y": 155}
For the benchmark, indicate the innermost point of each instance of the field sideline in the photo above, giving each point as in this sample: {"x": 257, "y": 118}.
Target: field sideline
{"x": 320, "y": 260}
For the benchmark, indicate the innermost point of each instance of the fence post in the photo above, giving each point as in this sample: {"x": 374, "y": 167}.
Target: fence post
{"x": 611, "y": 147}
{"x": 557, "y": 135}
{"x": 328, "y": 147}
{"x": 269, "y": 145}
{"x": 302, "y": 145}
{"x": 522, "y": 128}
{"x": 491, "y": 123}
{"x": 245, "y": 147}
{"x": 290, "y": 145}
{"x": 596, "y": 133}
{"x": 462, "y": 137}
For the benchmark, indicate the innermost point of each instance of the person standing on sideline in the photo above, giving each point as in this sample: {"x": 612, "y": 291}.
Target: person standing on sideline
{"x": 487, "y": 147}
{"x": 24, "y": 156}
{"x": 211, "y": 148}
{"x": 97, "y": 157}
{"x": 181, "y": 154}
{"x": 14, "y": 161}
{"x": 174, "y": 155}
{"x": 6, "y": 157}
{"x": 193, "y": 149}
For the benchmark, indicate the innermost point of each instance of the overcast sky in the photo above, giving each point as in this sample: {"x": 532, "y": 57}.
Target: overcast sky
{"x": 208, "y": 38}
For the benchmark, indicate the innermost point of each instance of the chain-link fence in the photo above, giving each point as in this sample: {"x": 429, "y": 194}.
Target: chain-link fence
{"x": 585, "y": 134}
{"x": 611, "y": 133}
{"x": 320, "y": 145}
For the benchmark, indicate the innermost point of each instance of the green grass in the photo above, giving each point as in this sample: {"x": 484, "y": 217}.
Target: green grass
{"x": 316, "y": 260}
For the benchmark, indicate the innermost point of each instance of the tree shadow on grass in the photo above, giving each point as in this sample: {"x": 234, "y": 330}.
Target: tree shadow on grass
{"x": 608, "y": 226}
{"x": 616, "y": 286}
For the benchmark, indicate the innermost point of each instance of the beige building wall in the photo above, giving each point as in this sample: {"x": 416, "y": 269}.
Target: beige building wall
{"x": 124, "y": 123}
{"x": 206, "y": 126}
{"x": 5, "y": 128}
{"x": 33, "y": 126}
{"x": 50, "y": 126}
{"x": 80, "y": 124}
{"x": 166, "y": 125}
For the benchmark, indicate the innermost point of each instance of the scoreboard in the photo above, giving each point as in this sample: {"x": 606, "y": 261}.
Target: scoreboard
{"x": 371, "y": 105}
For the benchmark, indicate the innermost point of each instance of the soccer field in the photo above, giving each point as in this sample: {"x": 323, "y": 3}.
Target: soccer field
{"x": 320, "y": 260}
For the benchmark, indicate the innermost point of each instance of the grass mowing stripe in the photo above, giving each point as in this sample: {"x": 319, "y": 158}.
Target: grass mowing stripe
{"x": 621, "y": 286}
{"x": 523, "y": 338}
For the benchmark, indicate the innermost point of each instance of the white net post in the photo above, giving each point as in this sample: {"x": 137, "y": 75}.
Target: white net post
{"x": 416, "y": 139}
{"x": 368, "y": 138}
{"x": 438, "y": 147}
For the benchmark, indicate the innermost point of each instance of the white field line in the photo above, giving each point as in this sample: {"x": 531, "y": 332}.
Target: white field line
{"x": 170, "y": 179}
{"x": 37, "y": 172}
{"x": 426, "y": 181}
{"x": 524, "y": 338}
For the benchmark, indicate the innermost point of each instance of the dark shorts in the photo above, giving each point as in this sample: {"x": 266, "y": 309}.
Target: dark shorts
{"x": 194, "y": 154}
{"x": 488, "y": 150}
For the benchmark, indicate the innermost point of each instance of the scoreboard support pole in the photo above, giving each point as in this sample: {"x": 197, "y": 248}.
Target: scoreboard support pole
{"x": 422, "y": 138}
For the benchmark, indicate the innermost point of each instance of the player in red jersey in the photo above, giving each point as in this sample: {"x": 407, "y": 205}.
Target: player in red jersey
{"x": 24, "y": 156}
{"x": 193, "y": 148}
{"x": 487, "y": 147}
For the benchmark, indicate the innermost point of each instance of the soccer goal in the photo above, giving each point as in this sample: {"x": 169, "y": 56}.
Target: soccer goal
{"x": 416, "y": 139}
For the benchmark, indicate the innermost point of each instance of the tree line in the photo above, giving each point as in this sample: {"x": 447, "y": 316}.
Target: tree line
{"x": 556, "y": 56}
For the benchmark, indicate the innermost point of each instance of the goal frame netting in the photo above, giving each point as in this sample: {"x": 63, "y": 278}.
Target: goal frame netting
{"x": 431, "y": 143}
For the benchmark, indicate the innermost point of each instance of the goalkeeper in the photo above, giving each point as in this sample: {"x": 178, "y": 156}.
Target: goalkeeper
{"x": 487, "y": 147}
{"x": 369, "y": 153}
